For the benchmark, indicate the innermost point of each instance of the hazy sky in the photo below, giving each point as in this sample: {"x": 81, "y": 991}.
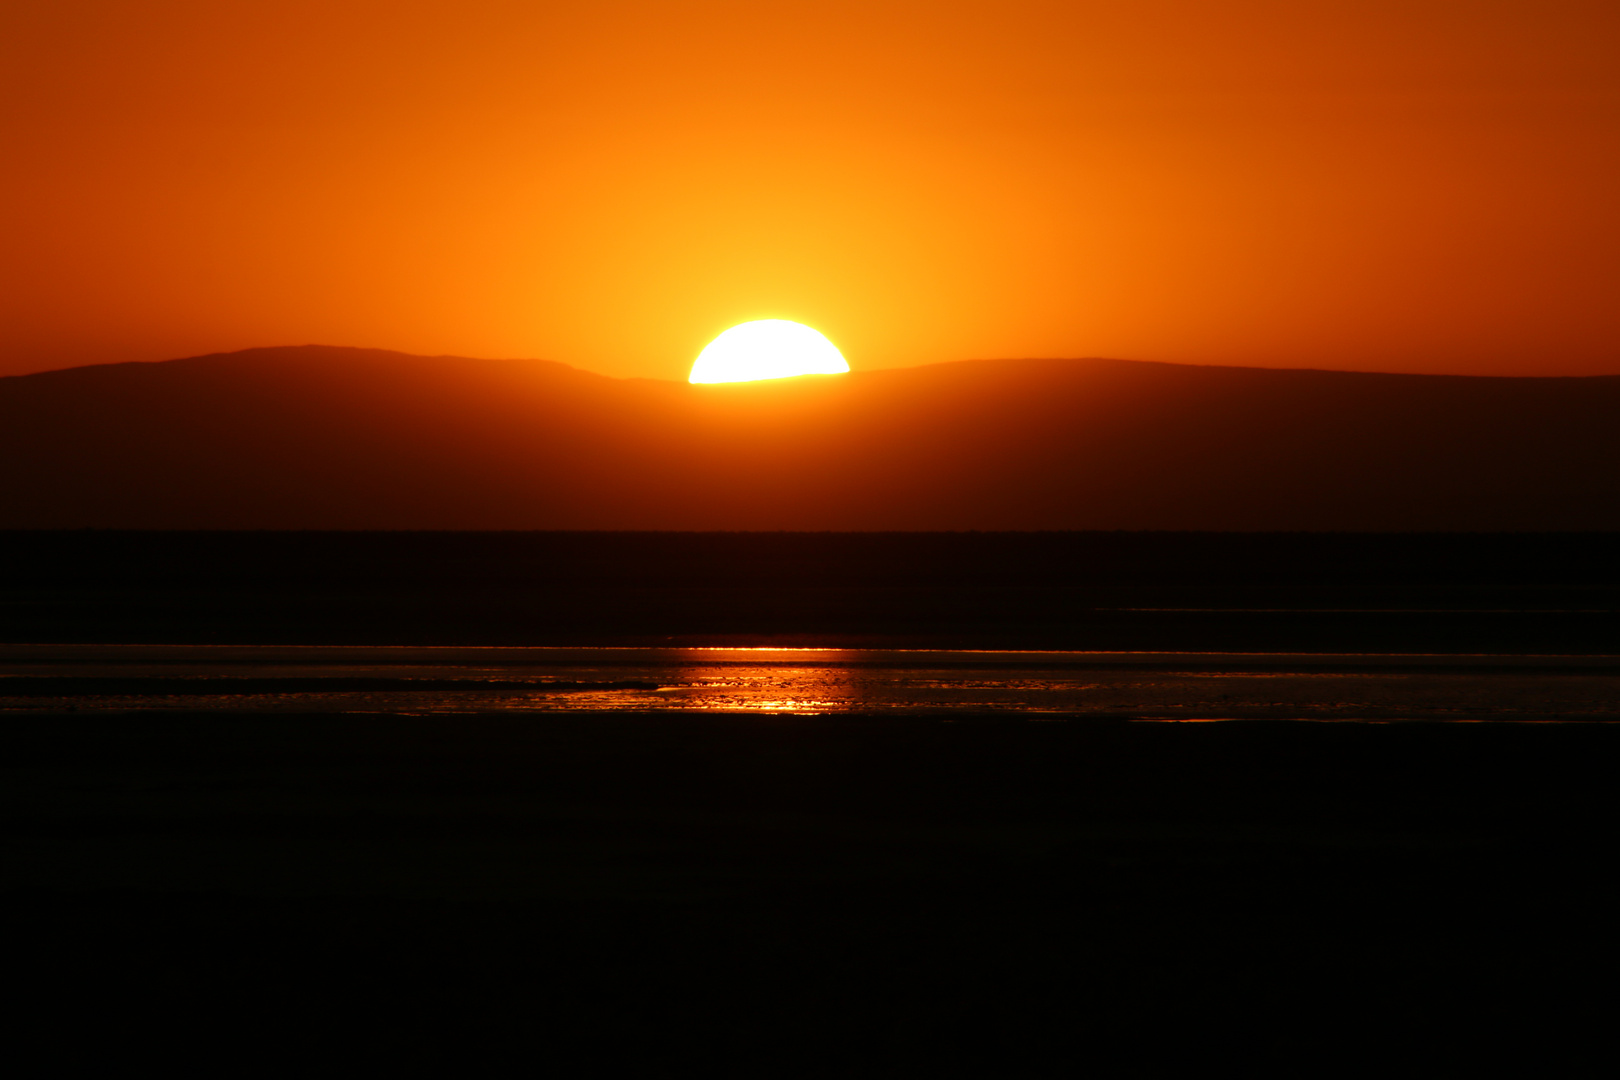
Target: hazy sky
{"x": 1396, "y": 185}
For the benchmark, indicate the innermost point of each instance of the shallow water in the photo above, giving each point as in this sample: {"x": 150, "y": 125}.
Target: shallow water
{"x": 1139, "y": 686}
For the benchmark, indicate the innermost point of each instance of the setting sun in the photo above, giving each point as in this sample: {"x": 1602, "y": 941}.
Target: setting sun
{"x": 767, "y": 349}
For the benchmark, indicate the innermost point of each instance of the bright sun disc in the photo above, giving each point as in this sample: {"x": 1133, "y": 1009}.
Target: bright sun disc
{"x": 767, "y": 349}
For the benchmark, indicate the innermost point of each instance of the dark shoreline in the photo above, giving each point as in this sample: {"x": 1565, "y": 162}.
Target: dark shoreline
{"x": 1280, "y": 592}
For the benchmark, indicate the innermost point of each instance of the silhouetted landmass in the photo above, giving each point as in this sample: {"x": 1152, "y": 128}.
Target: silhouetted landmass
{"x": 324, "y": 438}
{"x": 1303, "y": 592}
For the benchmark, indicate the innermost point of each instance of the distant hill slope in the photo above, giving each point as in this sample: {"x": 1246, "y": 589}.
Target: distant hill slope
{"x": 329, "y": 438}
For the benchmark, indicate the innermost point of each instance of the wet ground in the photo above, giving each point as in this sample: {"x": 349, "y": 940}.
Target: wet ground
{"x": 1137, "y": 685}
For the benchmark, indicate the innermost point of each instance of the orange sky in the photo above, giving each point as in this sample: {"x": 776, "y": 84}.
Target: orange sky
{"x": 1395, "y": 185}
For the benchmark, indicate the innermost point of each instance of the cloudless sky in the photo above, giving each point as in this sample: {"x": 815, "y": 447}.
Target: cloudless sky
{"x": 1393, "y": 185}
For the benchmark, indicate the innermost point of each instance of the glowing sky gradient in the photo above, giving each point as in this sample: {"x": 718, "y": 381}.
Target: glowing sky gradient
{"x": 1422, "y": 185}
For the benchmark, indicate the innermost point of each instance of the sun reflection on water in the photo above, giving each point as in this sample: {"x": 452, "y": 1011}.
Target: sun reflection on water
{"x": 1181, "y": 687}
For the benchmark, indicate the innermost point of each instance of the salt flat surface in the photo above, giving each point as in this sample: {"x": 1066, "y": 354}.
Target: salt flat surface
{"x": 1128, "y": 685}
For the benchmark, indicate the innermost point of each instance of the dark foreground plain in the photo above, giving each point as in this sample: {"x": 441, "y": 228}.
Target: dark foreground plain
{"x": 817, "y": 895}
{"x": 851, "y": 895}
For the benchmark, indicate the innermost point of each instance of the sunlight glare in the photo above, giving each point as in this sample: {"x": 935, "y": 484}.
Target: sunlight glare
{"x": 767, "y": 349}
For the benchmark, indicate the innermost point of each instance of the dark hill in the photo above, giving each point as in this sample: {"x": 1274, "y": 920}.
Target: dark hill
{"x": 317, "y": 437}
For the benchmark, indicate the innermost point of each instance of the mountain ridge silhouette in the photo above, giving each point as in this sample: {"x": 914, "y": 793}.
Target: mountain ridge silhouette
{"x": 328, "y": 437}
